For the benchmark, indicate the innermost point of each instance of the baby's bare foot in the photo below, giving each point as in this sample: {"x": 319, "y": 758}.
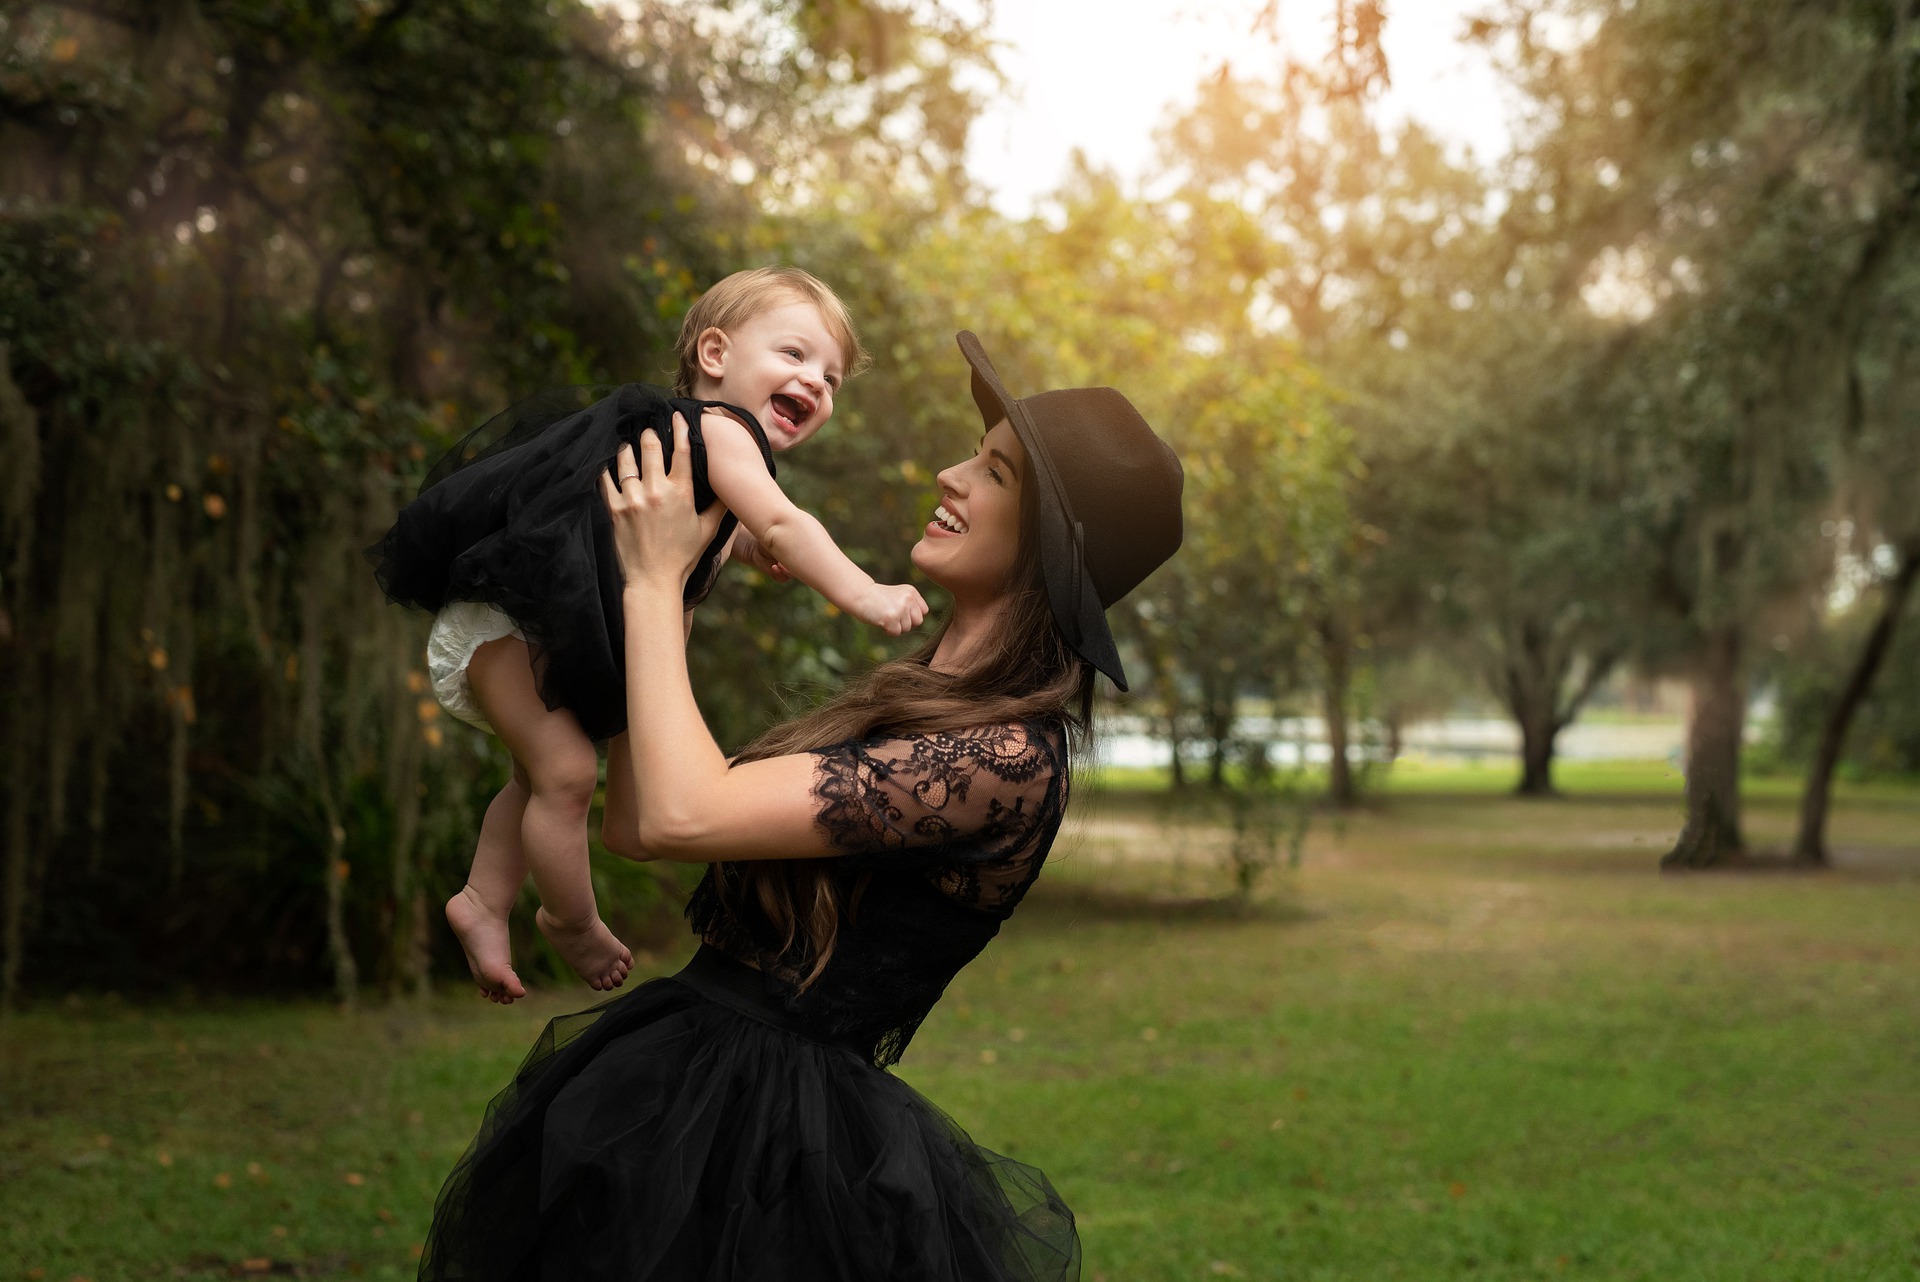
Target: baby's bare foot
{"x": 590, "y": 948}
{"x": 483, "y": 937}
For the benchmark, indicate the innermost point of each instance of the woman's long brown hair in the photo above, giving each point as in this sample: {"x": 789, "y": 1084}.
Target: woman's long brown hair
{"x": 1024, "y": 670}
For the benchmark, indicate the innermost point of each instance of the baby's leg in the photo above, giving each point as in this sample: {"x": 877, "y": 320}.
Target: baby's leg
{"x": 478, "y": 914}
{"x": 561, "y": 771}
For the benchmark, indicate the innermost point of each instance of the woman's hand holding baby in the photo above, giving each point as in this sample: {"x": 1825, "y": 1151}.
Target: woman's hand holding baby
{"x": 656, "y": 532}
{"x": 896, "y": 607}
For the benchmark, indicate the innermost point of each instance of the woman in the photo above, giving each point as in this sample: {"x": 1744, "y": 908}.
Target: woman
{"x": 734, "y": 1121}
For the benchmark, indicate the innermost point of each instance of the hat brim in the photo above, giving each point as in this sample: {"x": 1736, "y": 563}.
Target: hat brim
{"x": 1063, "y": 563}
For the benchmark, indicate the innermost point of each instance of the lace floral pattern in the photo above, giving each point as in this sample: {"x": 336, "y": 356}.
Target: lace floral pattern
{"x": 942, "y": 835}
{"x": 964, "y": 807}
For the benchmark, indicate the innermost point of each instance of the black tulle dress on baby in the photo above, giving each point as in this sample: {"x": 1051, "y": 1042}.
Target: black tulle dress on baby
{"x": 512, "y": 518}
{"x": 723, "y": 1126}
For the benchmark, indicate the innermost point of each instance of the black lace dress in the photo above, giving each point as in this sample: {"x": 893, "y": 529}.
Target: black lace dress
{"x": 512, "y": 516}
{"x": 719, "y": 1126}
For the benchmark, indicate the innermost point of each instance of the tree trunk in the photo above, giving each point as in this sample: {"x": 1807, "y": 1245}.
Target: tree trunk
{"x": 404, "y": 745}
{"x": 420, "y": 945}
{"x": 19, "y": 835}
{"x": 1810, "y": 846}
{"x": 1712, "y": 833}
{"x": 1537, "y": 734}
{"x": 1339, "y": 677}
{"x": 1219, "y": 721}
{"x": 346, "y": 973}
{"x": 1176, "y": 724}
{"x": 1537, "y": 664}
{"x": 1529, "y": 678}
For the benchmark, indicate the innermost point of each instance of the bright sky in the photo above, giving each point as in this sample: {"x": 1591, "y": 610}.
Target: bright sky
{"x": 1101, "y": 75}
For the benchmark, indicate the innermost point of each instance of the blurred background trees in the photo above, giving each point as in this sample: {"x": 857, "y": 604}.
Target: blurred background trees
{"x": 1638, "y": 398}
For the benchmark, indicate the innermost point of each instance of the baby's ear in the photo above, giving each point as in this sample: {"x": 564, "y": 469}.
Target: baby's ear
{"x": 710, "y": 351}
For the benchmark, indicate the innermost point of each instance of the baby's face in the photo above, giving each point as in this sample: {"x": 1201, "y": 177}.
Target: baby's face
{"x": 783, "y": 365}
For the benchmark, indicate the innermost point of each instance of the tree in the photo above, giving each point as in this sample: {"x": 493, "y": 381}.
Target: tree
{"x": 258, "y": 264}
{"x": 1881, "y": 442}
{"x": 1727, "y": 185}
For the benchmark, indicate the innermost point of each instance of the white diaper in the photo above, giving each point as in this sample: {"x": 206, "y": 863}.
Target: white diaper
{"x": 459, "y": 630}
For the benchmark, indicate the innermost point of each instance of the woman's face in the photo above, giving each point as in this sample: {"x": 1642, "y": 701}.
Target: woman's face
{"x": 971, "y": 544}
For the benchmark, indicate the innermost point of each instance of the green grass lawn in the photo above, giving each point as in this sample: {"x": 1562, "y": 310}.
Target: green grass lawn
{"x": 1472, "y": 1037}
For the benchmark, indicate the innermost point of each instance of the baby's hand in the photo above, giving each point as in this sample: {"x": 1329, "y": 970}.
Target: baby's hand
{"x": 747, "y": 550}
{"x": 897, "y": 607}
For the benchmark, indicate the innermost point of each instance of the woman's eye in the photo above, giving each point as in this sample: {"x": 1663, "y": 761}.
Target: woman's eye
{"x": 794, "y": 352}
{"x": 995, "y": 474}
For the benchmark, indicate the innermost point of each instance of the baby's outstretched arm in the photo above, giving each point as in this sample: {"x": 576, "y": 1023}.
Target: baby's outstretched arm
{"x": 794, "y": 538}
{"x": 746, "y": 549}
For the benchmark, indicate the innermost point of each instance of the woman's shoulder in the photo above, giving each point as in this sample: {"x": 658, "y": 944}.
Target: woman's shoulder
{"x": 1015, "y": 749}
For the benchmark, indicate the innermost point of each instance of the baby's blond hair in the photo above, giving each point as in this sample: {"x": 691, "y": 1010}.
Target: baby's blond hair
{"x": 744, "y": 295}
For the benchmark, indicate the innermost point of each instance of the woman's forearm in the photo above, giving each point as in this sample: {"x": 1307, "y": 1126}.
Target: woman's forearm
{"x": 674, "y": 760}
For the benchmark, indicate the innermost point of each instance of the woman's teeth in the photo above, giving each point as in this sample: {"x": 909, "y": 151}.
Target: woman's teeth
{"x": 948, "y": 521}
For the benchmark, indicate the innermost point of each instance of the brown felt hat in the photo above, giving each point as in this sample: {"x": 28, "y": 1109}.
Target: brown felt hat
{"x": 1109, "y": 494}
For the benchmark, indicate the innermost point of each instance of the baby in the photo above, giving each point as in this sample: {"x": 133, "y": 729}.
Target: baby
{"x": 511, "y": 548}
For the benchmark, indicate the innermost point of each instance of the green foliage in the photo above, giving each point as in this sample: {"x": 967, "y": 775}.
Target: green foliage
{"x": 259, "y": 264}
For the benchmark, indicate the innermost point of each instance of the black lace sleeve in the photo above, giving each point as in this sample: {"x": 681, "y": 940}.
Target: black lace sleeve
{"x": 976, "y": 808}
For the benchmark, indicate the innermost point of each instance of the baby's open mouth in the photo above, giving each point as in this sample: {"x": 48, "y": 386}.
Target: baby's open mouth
{"x": 791, "y": 408}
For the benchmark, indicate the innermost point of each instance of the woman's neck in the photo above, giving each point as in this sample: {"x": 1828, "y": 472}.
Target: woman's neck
{"x": 971, "y": 629}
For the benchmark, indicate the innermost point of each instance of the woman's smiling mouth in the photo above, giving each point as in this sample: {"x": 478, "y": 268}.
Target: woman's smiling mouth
{"x": 946, "y": 522}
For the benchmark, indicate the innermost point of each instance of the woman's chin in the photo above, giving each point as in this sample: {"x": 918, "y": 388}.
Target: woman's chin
{"x": 926, "y": 557}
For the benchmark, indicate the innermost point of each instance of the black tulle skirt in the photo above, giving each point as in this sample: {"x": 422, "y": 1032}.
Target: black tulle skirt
{"x": 688, "y": 1130}
{"x": 513, "y": 517}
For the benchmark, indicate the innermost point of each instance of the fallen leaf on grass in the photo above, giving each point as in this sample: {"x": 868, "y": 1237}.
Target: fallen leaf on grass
{"x": 223, "y": 1181}
{"x": 355, "y": 1178}
{"x": 1456, "y": 1189}
{"x": 163, "y": 1157}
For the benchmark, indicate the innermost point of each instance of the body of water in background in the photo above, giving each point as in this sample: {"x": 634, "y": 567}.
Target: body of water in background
{"x": 1127, "y": 742}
